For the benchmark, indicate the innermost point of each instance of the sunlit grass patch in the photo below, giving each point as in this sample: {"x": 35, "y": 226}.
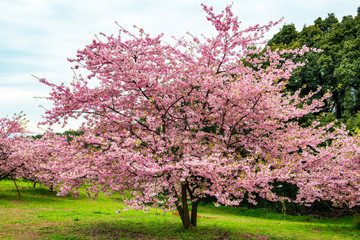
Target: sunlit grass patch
{"x": 40, "y": 214}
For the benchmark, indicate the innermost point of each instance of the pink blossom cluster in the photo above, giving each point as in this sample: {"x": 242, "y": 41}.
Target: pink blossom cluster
{"x": 11, "y": 131}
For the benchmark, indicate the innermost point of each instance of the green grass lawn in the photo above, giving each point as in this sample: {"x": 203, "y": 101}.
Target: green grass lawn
{"x": 40, "y": 214}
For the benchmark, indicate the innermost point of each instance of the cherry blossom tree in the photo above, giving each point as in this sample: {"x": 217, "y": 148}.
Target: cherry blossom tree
{"x": 11, "y": 131}
{"x": 39, "y": 155}
{"x": 209, "y": 116}
{"x": 22, "y": 156}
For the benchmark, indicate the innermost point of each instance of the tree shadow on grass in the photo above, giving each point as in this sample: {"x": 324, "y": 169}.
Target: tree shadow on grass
{"x": 38, "y": 194}
{"x": 150, "y": 230}
{"x": 26, "y": 197}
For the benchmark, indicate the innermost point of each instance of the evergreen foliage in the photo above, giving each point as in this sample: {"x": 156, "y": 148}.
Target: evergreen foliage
{"x": 337, "y": 68}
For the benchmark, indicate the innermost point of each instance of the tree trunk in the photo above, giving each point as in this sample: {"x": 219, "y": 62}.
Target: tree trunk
{"x": 184, "y": 209}
{"x": 194, "y": 213}
{"x": 17, "y": 188}
{"x": 186, "y": 221}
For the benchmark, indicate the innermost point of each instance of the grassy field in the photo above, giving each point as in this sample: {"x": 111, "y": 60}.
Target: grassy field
{"x": 39, "y": 214}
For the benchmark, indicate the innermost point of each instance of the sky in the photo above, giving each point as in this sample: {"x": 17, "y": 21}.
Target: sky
{"x": 37, "y": 36}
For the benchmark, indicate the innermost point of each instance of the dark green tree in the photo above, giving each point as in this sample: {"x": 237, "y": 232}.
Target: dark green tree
{"x": 336, "y": 69}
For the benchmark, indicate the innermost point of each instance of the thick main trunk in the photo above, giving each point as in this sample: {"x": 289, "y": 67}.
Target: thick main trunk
{"x": 185, "y": 217}
{"x": 184, "y": 209}
{"x": 194, "y": 213}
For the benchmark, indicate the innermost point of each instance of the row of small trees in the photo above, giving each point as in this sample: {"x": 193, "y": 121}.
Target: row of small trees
{"x": 23, "y": 156}
{"x": 173, "y": 125}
